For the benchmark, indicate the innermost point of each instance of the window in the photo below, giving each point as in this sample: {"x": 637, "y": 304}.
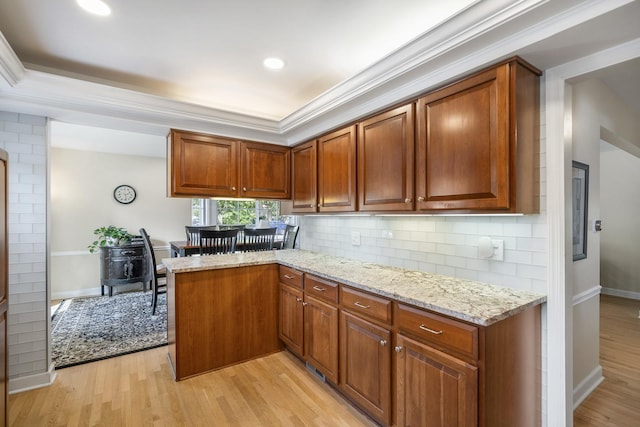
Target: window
{"x": 235, "y": 212}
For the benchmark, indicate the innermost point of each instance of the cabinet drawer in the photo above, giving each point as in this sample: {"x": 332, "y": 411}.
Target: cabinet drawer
{"x": 439, "y": 330}
{"x": 126, "y": 251}
{"x": 291, "y": 277}
{"x": 372, "y": 306}
{"x": 321, "y": 288}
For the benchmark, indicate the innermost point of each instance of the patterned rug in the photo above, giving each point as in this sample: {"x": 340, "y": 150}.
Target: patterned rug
{"x": 89, "y": 329}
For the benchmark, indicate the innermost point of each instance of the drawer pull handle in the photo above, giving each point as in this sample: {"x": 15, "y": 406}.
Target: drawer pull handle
{"x": 424, "y": 328}
{"x": 286, "y": 276}
{"x": 357, "y": 304}
{"x": 319, "y": 289}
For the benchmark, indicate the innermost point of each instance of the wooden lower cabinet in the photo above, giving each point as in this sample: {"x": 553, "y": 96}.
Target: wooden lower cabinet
{"x": 220, "y": 317}
{"x": 321, "y": 336}
{"x": 434, "y": 388}
{"x": 291, "y": 318}
{"x": 365, "y": 365}
{"x": 406, "y": 366}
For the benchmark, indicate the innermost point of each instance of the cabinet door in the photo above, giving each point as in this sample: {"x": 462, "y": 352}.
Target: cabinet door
{"x": 304, "y": 183}
{"x": 385, "y": 161}
{"x": 365, "y": 368}
{"x": 265, "y": 170}
{"x": 202, "y": 165}
{"x": 321, "y": 337}
{"x": 337, "y": 171}
{"x": 434, "y": 388}
{"x": 291, "y": 321}
{"x": 463, "y": 144}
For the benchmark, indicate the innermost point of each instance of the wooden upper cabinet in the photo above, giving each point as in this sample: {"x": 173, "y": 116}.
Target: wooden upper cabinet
{"x": 202, "y": 165}
{"x": 386, "y": 161}
{"x": 478, "y": 140}
{"x": 337, "y": 171}
{"x": 265, "y": 170}
{"x": 304, "y": 182}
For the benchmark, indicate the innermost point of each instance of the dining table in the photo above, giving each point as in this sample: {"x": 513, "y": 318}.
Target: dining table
{"x": 186, "y": 248}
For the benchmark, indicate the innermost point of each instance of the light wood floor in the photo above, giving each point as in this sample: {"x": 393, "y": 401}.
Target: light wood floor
{"x": 137, "y": 390}
{"x": 616, "y": 401}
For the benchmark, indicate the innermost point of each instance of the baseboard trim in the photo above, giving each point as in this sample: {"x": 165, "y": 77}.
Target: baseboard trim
{"x": 621, "y": 293}
{"x": 586, "y": 295}
{"x": 30, "y": 382}
{"x": 586, "y": 386}
{"x": 89, "y": 292}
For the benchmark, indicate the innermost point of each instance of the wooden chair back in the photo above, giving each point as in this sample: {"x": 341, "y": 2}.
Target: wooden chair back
{"x": 289, "y": 238}
{"x": 218, "y": 241}
{"x": 258, "y": 239}
{"x": 193, "y": 232}
{"x": 155, "y": 272}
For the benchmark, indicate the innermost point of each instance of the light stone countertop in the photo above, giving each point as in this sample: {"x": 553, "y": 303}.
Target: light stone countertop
{"x": 479, "y": 303}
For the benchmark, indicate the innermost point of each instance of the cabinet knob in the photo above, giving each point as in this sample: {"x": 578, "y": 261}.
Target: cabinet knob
{"x": 244, "y": 188}
{"x": 421, "y": 199}
{"x": 407, "y": 200}
{"x": 311, "y": 205}
{"x": 304, "y": 304}
{"x": 298, "y": 299}
{"x": 398, "y": 349}
{"x": 383, "y": 342}
{"x": 233, "y": 188}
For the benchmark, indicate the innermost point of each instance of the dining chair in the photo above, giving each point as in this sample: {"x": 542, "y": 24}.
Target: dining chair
{"x": 193, "y": 232}
{"x": 258, "y": 239}
{"x": 289, "y": 238}
{"x": 157, "y": 274}
{"x": 218, "y": 241}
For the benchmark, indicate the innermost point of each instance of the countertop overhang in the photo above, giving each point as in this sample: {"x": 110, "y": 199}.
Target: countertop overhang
{"x": 475, "y": 302}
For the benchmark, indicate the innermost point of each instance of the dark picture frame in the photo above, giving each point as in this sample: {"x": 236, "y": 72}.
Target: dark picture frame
{"x": 580, "y": 204}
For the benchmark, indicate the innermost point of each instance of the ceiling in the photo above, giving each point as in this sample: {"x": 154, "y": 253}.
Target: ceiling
{"x": 197, "y": 65}
{"x": 210, "y": 52}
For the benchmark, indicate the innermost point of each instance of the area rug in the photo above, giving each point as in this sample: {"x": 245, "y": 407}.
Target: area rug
{"x": 89, "y": 329}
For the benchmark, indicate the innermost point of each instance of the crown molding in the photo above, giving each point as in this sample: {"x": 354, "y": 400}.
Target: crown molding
{"x": 11, "y": 68}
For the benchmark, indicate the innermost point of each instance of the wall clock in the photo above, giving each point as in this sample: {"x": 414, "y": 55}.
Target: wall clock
{"x": 124, "y": 194}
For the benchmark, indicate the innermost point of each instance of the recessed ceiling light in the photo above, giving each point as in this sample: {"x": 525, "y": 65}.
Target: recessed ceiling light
{"x": 97, "y": 7}
{"x": 273, "y": 63}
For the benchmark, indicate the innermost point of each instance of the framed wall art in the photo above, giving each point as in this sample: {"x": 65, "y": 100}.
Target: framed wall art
{"x": 580, "y": 202}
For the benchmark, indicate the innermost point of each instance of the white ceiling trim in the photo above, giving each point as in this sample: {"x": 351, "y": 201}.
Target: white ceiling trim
{"x": 10, "y": 66}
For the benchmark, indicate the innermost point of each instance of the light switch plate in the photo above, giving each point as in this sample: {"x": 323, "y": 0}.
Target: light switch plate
{"x": 355, "y": 238}
{"x": 498, "y": 250}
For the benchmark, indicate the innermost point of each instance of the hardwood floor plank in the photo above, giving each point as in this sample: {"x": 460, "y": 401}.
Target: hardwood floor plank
{"x": 616, "y": 401}
{"x": 138, "y": 390}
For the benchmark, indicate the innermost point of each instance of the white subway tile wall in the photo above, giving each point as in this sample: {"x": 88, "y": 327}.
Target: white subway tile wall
{"x": 24, "y": 138}
{"x": 438, "y": 244}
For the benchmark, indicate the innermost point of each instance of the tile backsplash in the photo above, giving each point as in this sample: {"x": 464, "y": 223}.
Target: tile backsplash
{"x": 438, "y": 244}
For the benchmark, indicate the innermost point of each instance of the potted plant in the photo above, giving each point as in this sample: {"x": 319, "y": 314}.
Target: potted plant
{"x": 110, "y": 236}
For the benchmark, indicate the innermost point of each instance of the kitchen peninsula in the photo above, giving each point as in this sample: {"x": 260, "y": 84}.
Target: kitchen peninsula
{"x": 483, "y": 340}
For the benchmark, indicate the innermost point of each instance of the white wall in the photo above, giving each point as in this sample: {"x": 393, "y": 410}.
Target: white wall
{"x": 597, "y": 113}
{"x": 620, "y": 204}
{"x": 24, "y": 138}
{"x": 82, "y": 184}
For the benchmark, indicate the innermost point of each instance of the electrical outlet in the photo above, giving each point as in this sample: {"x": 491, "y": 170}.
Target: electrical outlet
{"x": 355, "y": 238}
